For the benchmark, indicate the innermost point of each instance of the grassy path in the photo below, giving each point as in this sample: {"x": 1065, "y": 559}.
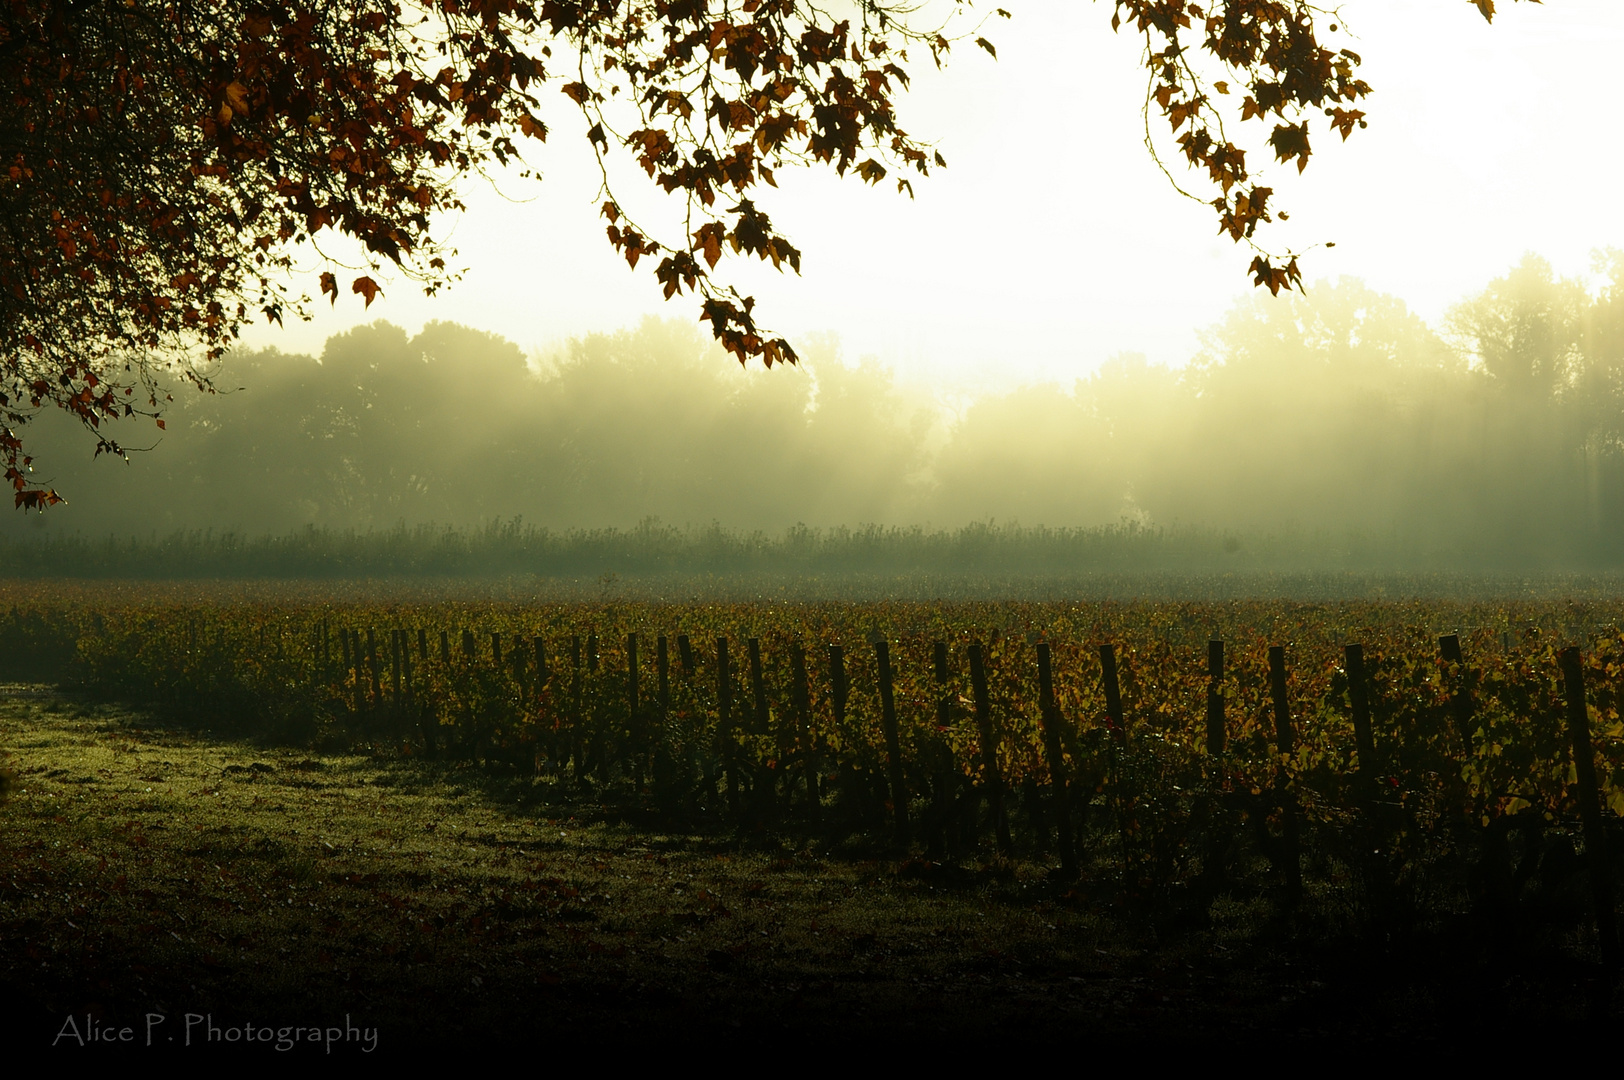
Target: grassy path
{"x": 149, "y": 869}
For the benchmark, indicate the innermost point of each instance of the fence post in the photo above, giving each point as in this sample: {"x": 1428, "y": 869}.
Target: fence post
{"x": 358, "y": 682}
{"x": 838, "y": 686}
{"x": 893, "y": 744}
{"x": 685, "y": 654}
{"x": 372, "y": 667}
{"x": 724, "y": 725}
{"x": 1049, "y": 714}
{"x": 468, "y": 647}
{"x": 803, "y": 724}
{"x": 445, "y": 648}
{"x": 662, "y": 666}
{"x": 360, "y": 687}
{"x": 543, "y": 678}
{"x": 597, "y": 755}
{"x": 758, "y": 687}
{"x": 1584, "y": 764}
{"x": 577, "y": 750}
{"x": 945, "y": 775}
{"x": 521, "y": 669}
{"x": 394, "y": 669}
{"x": 496, "y": 650}
{"x": 1359, "y": 699}
{"x": 1460, "y": 701}
{"x": 989, "y": 749}
{"x": 636, "y": 720}
{"x": 764, "y": 785}
{"x": 427, "y": 721}
{"x": 406, "y": 667}
{"x": 1116, "y": 724}
{"x": 1113, "y": 692}
{"x": 1285, "y": 744}
{"x": 1216, "y": 736}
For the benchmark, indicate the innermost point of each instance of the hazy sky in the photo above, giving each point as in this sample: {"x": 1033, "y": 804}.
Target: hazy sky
{"x": 1053, "y": 242}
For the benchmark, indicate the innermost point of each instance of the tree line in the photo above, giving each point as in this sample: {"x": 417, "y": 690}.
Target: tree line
{"x": 1495, "y": 438}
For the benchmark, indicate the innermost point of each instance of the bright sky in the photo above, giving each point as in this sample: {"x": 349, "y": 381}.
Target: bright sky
{"x": 1052, "y": 241}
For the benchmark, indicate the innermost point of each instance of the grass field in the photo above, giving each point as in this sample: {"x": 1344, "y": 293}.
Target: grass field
{"x": 147, "y": 868}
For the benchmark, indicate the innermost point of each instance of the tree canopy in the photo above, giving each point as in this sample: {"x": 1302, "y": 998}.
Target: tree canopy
{"x": 164, "y": 160}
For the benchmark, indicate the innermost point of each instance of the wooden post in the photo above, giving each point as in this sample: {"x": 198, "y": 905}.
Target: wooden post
{"x": 406, "y": 666}
{"x": 1359, "y": 699}
{"x": 1460, "y": 702}
{"x": 1049, "y": 716}
{"x": 468, "y": 644}
{"x": 1116, "y": 723}
{"x": 1285, "y": 744}
{"x": 372, "y": 666}
{"x": 496, "y": 650}
{"x": 634, "y": 715}
{"x": 548, "y": 731}
{"x": 685, "y": 653}
{"x": 599, "y": 753}
{"x": 724, "y": 724}
{"x": 445, "y": 648}
{"x": 427, "y": 722}
{"x": 631, "y": 673}
{"x": 521, "y": 667}
{"x": 1584, "y": 765}
{"x": 662, "y": 665}
{"x": 758, "y": 687}
{"x": 838, "y": 686}
{"x": 803, "y": 728}
{"x": 893, "y": 744}
{"x": 989, "y": 749}
{"x": 360, "y": 671}
{"x": 1216, "y": 736}
{"x": 1113, "y": 692}
{"x": 945, "y": 776}
{"x": 395, "y": 650}
{"x": 1284, "y": 737}
{"x": 577, "y": 736}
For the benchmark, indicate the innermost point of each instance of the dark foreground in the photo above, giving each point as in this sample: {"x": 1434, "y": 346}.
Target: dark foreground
{"x": 153, "y": 872}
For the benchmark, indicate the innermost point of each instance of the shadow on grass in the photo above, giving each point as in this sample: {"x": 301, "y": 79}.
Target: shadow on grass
{"x": 155, "y": 866}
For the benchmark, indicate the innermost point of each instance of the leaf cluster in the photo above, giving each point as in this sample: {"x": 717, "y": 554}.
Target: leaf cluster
{"x": 161, "y": 161}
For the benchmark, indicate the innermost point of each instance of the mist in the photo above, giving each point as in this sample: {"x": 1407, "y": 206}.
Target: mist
{"x": 1310, "y": 427}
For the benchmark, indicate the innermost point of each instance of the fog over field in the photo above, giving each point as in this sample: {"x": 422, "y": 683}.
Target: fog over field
{"x": 1494, "y": 439}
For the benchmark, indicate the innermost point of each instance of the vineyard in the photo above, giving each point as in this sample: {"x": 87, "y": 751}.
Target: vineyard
{"x": 1393, "y": 764}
